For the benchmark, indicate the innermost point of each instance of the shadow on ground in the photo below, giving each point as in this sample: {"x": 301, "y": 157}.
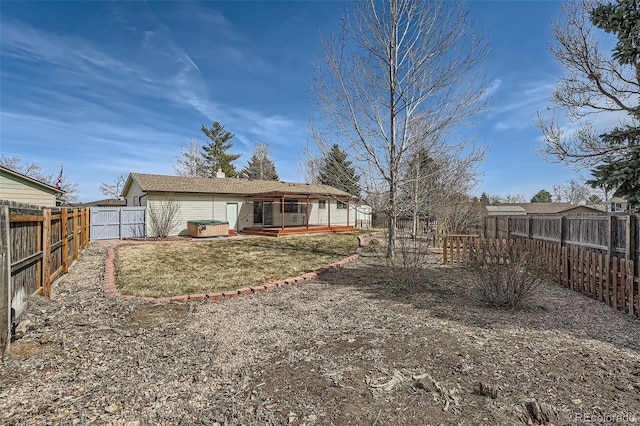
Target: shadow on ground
{"x": 450, "y": 293}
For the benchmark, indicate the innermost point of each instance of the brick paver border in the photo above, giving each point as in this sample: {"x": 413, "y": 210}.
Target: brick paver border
{"x": 110, "y": 288}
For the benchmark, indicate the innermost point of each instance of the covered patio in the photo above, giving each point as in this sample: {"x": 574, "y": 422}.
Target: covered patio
{"x": 295, "y": 203}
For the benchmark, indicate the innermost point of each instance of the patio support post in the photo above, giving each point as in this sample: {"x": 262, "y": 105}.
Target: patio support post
{"x": 307, "y": 212}
{"x": 282, "y": 211}
{"x": 329, "y": 212}
{"x": 348, "y": 207}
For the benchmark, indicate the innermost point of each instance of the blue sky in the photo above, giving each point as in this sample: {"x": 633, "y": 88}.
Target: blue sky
{"x": 117, "y": 87}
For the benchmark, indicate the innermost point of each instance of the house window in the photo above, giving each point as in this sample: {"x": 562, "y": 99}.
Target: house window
{"x": 342, "y": 205}
{"x": 291, "y": 206}
{"x": 617, "y": 207}
{"x": 257, "y": 212}
{"x": 322, "y": 204}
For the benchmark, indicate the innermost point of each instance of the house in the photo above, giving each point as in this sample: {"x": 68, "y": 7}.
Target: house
{"x": 512, "y": 209}
{"x": 617, "y": 205}
{"x": 15, "y": 186}
{"x": 251, "y": 206}
{"x": 107, "y": 202}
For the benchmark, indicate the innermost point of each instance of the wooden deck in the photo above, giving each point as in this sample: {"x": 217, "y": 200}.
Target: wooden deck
{"x": 293, "y": 230}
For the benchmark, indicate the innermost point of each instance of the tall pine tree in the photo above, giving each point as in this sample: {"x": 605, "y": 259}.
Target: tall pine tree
{"x": 621, "y": 170}
{"x": 215, "y": 152}
{"x": 339, "y": 172}
{"x": 260, "y": 165}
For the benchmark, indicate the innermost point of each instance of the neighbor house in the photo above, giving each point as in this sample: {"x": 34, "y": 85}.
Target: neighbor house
{"x": 516, "y": 209}
{"x": 247, "y": 205}
{"x": 500, "y": 210}
{"x": 15, "y": 186}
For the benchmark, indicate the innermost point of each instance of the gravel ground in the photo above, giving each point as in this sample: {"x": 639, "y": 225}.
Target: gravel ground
{"x": 351, "y": 347}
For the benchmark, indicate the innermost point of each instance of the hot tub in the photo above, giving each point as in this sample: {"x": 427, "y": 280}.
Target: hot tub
{"x": 207, "y": 228}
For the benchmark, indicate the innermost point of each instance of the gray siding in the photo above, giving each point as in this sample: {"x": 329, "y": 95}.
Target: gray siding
{"x": 134, "y": 195}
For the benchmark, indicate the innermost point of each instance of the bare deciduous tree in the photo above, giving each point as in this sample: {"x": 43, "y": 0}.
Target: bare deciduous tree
{"x": 513, "y": 198}
{"x": 113, "y": 190}
{"x": 34, "y": 171}
{"x": 593, "y": 84}
{"x": 574, "y": 192}
{"x": 190, "y": 160}
{"x": 437, "y": 182}
{"x": 163, "y": 216}
{"x": 400, "y": 72}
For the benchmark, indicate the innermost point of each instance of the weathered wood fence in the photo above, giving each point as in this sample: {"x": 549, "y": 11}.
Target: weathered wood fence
{"x": 598, "y": 256}
{"x": 609, "y": 234}
{"x": 382, "y": 221}
{"x": 37, "y": 246}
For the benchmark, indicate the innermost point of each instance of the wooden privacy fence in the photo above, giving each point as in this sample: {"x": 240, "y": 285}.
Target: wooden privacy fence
{"x": 37, "y": 247}
{"x": 609, "y": 234}
{"x": 609, "y": 279}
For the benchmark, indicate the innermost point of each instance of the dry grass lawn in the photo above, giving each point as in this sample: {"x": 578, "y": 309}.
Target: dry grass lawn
{"x": 175, "y": 268}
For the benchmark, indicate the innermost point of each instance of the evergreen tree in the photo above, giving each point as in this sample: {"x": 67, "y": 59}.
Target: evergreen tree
{"x": 484, "y": 199}
{"x": 215, "y": 152}
{"x": 543, "y": 196}
{"x": 339, "y": 172}
{"x": 595, "y": 81}
{"x": 621, "y": 169}
{"x": 260, "y": 165}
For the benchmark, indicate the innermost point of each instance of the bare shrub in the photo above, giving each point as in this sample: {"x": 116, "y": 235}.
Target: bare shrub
{"x": 373, "y": 245}
{"x": 507, "y": 273}
{"x": 163, "y": 216}
{"x": 408, "y": 267}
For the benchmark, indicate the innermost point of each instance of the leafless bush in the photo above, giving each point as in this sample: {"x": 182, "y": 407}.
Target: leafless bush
{"x": 507, "y": 273}
{"x": 412, "y": 256}
{"x": 163, "y": 216}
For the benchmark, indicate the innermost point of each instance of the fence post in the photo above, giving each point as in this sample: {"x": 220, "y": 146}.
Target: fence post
{"x": 65, "y": 240}
{"x": 83, "y": 225}
{"x": 444, "y": 250}
{"x": 630, "y": 238}
{"x": 508, "y": 228}
{"x": 530, "y": 227}
{"x": 484, "y": 226}
{"x": 46, "y": 253}
{"x": 610, "y": 231}
{"x": 76, "y": 243}
{"x": 5, "y": 278}
{"x": 87, "y": 234}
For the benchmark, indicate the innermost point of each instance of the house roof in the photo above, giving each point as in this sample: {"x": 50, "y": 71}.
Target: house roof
{"x": 44, "y": 186}
{"x": 108, "y": 202}
{"x": 504, "y": 210}
{"x": 183, "y": 184}
{"x": 550, "y": 208}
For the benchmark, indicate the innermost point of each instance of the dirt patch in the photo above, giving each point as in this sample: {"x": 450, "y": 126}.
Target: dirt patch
{"x": 22, "y": 350}
{"x": 150, "y": 315}
{"x": 350, "y": 348}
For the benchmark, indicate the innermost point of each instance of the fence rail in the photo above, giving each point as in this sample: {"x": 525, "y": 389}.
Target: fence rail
{"x": 37, "y": 246}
